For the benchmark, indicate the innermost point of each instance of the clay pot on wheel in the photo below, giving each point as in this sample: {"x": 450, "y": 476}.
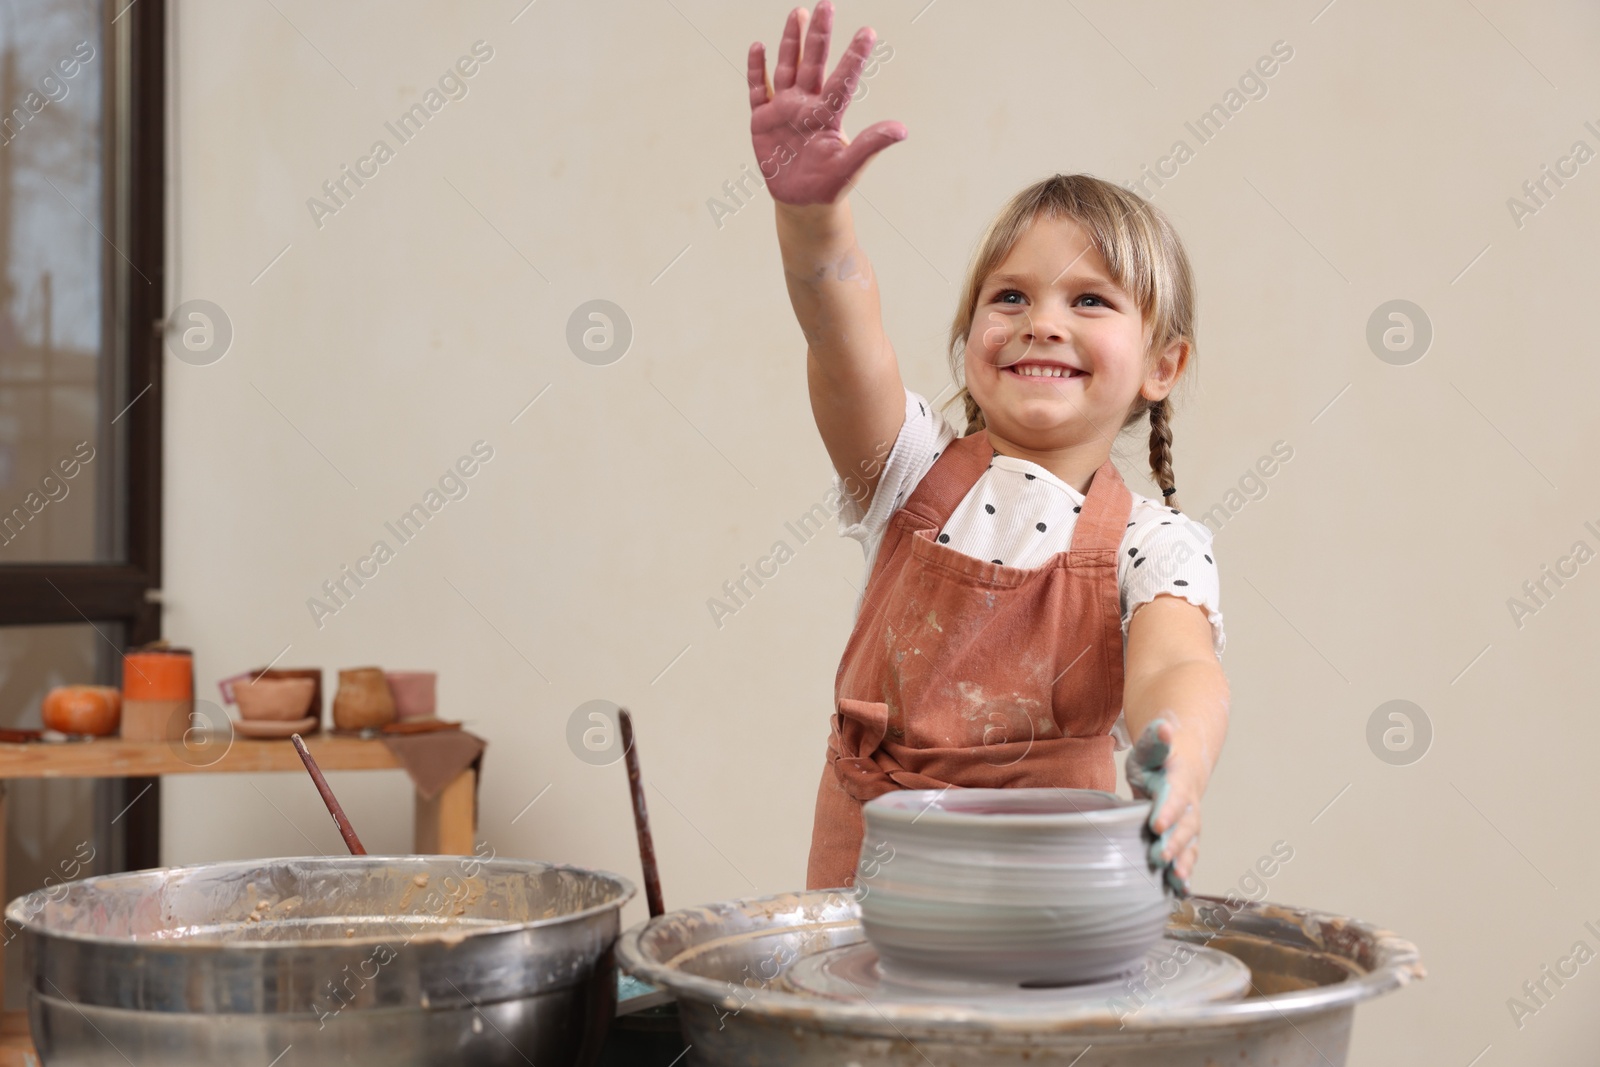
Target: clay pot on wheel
{"x": 1047, "y": 886}
{"x": 88, "y": 710}
{"x": 363, "y": 699}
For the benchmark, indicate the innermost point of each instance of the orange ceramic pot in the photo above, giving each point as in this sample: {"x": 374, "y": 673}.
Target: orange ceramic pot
{"x": 95, "y": 710}
{"x": 164, "y": 674}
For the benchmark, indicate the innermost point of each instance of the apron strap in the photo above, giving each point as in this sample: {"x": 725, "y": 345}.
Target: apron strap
{"x": 1104, "y": 519}
{"x": 951, "y": 477}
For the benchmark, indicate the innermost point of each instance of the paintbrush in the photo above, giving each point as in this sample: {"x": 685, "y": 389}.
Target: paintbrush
{"x": 348, "y": 832}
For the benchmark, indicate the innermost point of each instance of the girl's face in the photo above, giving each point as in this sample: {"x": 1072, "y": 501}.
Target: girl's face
{"x": 1056, "y": 352}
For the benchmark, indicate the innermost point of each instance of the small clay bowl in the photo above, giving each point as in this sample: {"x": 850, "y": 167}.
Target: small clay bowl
{"x": 313, "y": 673}
{"x": 274, "y": 699}
{"x": 1016, "y": 886}
{"x": 415, "y": 693}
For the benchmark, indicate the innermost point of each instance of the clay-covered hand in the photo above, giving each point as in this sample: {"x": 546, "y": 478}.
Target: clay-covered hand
{"x": 794, "y": 119}
{"x": 1159, "y": 770}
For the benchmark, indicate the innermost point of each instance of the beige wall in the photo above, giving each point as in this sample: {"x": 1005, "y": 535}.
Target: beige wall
{"x": 431, "y": 309}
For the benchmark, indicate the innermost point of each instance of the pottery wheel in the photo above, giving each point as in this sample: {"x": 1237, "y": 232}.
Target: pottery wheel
{"x": 1174, "y": 973}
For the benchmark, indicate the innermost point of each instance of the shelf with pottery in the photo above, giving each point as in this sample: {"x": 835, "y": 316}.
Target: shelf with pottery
{"x": 445, "y": 823}
{"x": 160, "y": 729}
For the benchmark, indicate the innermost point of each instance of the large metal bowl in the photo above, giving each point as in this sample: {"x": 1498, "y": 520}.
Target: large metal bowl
{"x": 398, "y": 960}
{"x": 727, "y": 965}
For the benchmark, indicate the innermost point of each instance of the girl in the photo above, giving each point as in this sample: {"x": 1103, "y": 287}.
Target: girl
{"x": 1020, "y": 603}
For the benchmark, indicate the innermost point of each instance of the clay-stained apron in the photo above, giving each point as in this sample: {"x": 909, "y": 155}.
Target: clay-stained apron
{"x": 965, "y": 672}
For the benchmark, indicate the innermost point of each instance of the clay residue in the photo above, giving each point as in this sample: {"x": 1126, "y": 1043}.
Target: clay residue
{"x": 419, "y": 882}
{"x": 475, "y": 890}
{"x": 259, "y": 906}
{"x": 974, "y": 701}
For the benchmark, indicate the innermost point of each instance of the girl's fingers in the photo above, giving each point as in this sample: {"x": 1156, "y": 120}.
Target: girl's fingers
{"x": 847, "y": 74}
{"x": 1184, "y": 866}
{"x": 760, "y": 86}
{"x": 1161, "y": 818}
{"x": 815, "y": 54}
{"x": 1169, "y": 810}
{"x": 789, "y": 50}
{"x": 1182, "y": 832}
{"x": 1158, "y": 849}
{"x": 869, "y": 142}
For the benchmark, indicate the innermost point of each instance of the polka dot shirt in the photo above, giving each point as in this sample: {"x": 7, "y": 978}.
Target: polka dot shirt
{"x": 1020, "y": 515}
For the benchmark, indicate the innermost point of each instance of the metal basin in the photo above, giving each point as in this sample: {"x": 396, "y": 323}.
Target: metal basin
{"x": 399, "y": 960}
{"x": 727, "y": 965}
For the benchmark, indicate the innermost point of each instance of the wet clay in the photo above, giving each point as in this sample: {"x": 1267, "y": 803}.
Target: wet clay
{"x": 1010, "y": 885}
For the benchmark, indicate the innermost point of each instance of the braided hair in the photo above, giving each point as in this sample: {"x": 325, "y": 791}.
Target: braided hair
{"x": 1161, "y": 451}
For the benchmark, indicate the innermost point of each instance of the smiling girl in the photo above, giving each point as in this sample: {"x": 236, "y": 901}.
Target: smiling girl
{"x": 1024, "y": 613}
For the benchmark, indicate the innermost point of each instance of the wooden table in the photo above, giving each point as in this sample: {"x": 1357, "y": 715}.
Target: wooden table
{"x": 444, "y": 826}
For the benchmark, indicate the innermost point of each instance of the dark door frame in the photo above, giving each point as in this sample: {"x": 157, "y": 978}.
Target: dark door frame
{"x": 128, "y": 592}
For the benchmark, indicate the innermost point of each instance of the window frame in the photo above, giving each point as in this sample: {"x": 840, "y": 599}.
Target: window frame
{"x": 128, "y": 592}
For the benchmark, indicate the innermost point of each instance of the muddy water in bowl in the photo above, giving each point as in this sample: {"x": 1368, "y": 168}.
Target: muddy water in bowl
{"x": 1037, "y": 887}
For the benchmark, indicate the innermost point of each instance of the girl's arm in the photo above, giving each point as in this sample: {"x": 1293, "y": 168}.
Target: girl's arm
{"x": 1172, "y": 674}
{"x": 857, "y": 397}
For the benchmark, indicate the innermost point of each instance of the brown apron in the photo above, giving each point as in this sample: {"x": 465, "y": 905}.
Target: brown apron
{"x": 964, "y": 672}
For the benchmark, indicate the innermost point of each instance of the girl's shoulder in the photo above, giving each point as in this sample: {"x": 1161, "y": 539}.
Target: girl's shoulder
{"x": 1166, "y": 551}
{"x": 1150, "y": 517}
{"x": 940, "y": 430}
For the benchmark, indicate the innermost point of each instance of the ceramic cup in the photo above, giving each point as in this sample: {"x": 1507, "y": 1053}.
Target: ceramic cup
{"x": 363, "y": 699}
{"x": 414, "y": 693}
{"x": 274, "y": 699}
{"x": 1037, "y": 886}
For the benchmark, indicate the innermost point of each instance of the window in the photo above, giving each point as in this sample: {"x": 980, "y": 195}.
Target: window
{"x": 81, "y": 255}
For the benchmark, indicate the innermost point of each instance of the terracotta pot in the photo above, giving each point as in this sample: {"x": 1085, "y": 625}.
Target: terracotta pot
{"x": 158, "y": 674}
{"x": 95, "y": 710}
{"x": 314, "y": 674}
{"x": 415, "y": 693}
{"x": 363, "y": 699}
{"x": 275, "y": 699}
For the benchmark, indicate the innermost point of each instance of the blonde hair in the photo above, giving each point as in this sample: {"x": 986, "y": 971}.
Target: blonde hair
{"x": 1146, "y": 259}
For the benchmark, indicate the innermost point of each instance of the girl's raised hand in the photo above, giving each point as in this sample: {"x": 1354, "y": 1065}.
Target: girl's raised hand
{"x": 795, "y": 118}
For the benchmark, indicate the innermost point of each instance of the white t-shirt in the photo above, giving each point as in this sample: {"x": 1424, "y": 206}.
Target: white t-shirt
{"x": 1021, "y": 515}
